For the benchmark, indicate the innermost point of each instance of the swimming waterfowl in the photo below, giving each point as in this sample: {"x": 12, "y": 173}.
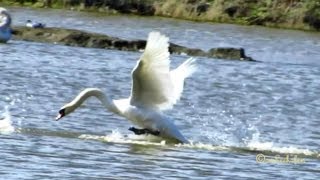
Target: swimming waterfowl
{"x": 34, "y": 24}
{"x": 154, "y": 89}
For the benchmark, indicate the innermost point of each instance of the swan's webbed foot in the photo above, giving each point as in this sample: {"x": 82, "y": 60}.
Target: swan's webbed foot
{"x": 137, "y": 131}
{"x": 144, "y": 131}
{"x": 155, "y": 133}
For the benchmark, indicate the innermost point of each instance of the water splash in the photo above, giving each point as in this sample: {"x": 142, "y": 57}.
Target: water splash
{"x": 117, "y": 137}
{"x": 203, "y": 146}
{"x": 270, "y": 147}
{"x": 253, "y": 147}
{"x": 245, "y": 136}
{"x": 255, "y": 144}
{"x": 6, "y": 126}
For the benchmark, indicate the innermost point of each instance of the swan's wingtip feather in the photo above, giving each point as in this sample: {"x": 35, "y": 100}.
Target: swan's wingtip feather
{"x": 155, "y": 36}
{"x": 190, "y": 66}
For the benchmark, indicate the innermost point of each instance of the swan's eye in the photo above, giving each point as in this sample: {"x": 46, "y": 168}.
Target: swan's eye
{"x": 61, "y": 112}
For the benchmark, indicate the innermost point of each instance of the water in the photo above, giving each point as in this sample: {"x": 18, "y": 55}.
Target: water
{"x": 231, "y": 111}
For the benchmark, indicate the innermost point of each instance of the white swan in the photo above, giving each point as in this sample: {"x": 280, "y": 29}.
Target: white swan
{"x": 155, "y": 89}
{"x": 31, "y": 24}
{"x": 5, "y": 23}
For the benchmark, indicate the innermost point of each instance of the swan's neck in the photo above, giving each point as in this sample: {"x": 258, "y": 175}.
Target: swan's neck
{"x": 89, "y": 92}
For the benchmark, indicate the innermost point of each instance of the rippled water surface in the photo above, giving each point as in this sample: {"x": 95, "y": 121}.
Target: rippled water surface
{"x": 233, "y": 112}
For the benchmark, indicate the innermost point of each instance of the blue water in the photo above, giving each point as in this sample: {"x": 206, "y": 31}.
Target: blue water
{"x": 231, "y": 111}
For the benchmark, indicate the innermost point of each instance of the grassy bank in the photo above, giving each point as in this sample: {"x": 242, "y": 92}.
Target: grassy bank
{"x": 293, "y": 14}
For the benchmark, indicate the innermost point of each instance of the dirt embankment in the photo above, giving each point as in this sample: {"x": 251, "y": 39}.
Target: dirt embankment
{"x": 294, "y": 14}
{"x": 71, "y": 37}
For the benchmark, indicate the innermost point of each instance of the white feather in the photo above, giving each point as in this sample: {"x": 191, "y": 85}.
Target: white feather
{"x": 155, "y": 88}
{"x": 154, "y": 85}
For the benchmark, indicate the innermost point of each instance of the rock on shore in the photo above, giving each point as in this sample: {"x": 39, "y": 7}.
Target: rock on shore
{"x": 71, "y": 37}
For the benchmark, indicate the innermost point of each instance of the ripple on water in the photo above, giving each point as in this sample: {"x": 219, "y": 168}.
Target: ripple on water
{"x": 230, "y": 110}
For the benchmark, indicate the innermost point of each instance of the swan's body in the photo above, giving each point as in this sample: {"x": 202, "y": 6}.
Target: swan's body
{"x": 155, "y": 88}
{"x": 5, "y": 23}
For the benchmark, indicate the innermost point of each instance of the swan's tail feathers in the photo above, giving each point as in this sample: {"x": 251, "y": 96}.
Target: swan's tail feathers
{"x": 179, "y": 74}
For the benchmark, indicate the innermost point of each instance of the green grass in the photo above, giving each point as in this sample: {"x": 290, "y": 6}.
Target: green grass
{"x": 273, "y": 13}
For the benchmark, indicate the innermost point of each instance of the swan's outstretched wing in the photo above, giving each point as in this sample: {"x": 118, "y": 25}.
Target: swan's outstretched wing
{"x": 154, "y": 86}
{"x": 178, "y": 75}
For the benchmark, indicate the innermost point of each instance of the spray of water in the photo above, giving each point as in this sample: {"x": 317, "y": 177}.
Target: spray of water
{"x": 6, "y": 126}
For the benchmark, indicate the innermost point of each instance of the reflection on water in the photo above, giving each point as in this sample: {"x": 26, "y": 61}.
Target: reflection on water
{"x": 231, "y": 111}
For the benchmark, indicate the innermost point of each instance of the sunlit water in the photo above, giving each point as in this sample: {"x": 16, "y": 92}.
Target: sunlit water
{"x": 231, "y": 111}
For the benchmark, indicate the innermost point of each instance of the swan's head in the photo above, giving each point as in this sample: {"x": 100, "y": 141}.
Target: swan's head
{"x": 65, "y": 110}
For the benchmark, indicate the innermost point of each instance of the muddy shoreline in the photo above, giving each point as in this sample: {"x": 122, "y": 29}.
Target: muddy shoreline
{"x": 72, "y": 37}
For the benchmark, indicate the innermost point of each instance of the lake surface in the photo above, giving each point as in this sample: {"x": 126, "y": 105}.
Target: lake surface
{"x": 234, "y": 113}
